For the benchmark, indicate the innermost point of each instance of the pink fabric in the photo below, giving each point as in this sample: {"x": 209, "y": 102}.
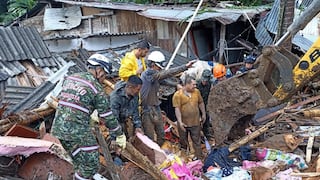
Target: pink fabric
{"x": 184, "y": 172}
{"x": 249, "y": 164}
{"x": 11, "y": 146}
{"x": 285, "y": 175}
{"x": 181, "y": 171}
{"x": 18, "y": 150}
{"x": 261, "y": 153}
{"x": 195, "y": 167}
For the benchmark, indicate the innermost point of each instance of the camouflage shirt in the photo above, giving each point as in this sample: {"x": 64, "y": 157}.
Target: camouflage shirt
{"x": 204, "y": 90}
{"x": 124, "y": 106}
{"x": 81, "y": 94}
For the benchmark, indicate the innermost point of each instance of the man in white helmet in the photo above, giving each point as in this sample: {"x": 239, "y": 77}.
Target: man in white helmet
{"x": 149, "y": 93}
{"x": 81, "y": 94}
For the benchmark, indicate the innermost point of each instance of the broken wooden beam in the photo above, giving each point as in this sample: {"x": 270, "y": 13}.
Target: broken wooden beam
{"x": 107, "y": 155}
{"x": 132, "y": 154}
{"x": 276, "y": 113}
{"x": 244, "y": 140}
{"x": 23, "y": 118}
{"x": 264, "y": 128}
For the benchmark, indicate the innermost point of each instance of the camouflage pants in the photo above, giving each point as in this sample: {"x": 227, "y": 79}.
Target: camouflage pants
{"x": 85, "y": 156}
{"x": 152, "y": 123}
{"x": 207, "y": 128}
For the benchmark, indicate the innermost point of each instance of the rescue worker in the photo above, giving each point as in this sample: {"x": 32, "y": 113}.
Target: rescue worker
{"x": 204, "y": 85}
{"x": 248, "y": 64}
{"x": 133, "y": 62}
{"x": 124, "y": 100}
{"x": 219, "y": 73}
{"x": 81, "y": 94}
{"x": 187, "y": 102}
{"x": 149, "y": 93}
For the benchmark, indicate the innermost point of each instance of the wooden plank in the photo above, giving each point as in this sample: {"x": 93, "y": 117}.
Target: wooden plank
{"x": 222, "y": 41}
{"x": 307, "y": 174}
{"x": 251, "y": 136}
{"x": 309, "y": 148}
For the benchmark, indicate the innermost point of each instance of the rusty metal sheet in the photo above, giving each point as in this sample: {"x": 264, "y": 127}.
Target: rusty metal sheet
{"x": 22, "y": 131}
{"x": 43, "y": 165}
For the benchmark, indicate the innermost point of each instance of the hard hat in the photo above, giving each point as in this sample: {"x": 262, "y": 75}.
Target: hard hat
{"x": 219, "y": 70}
{"x": 250, "y": 59}
{"x": 158, "y": 58}
{"x": 206, "y": 75}
{"x": 100, "y": 60}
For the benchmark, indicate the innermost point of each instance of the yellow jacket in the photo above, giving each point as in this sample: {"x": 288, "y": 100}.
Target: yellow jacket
{"x": 129, "y": 65}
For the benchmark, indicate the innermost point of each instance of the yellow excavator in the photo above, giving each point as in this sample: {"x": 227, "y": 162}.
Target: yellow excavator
{"x": 279, "y": 75}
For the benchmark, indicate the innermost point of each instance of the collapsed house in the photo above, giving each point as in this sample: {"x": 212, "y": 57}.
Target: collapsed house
{"x": 82, "y": 28}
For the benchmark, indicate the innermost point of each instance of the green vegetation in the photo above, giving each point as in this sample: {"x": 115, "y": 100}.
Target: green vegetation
{"x": 251, "y": 2}
{"x": 12, "y": 9}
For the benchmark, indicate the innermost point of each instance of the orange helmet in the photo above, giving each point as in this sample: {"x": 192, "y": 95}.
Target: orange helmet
{"x": 219, "y": 70}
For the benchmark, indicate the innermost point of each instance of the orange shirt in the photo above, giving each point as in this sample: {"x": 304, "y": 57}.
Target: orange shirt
{"x": 189, "y": 106}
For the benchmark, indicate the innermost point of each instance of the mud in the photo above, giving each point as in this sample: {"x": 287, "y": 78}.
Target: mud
{"x": 233, "y": 99}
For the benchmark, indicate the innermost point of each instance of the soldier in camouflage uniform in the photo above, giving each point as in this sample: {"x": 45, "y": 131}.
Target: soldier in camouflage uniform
{"x": 124, "y": 101}
{"x": 204, "y": 85}
{"x": 81, "y": 94}
{"x": 151, "y": 112}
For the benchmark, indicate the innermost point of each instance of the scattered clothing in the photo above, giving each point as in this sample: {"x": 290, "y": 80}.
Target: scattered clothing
{"x": 285, "y": 175}
{"x": 220, "y": 157}
{"x": 291, "y": 160}
{"x": 238, "y": 174}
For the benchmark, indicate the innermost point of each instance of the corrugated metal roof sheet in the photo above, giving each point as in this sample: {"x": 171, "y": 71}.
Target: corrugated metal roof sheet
{"x": 22, "y": 98}
{"x": 20, "y": 43}
{"x": 45, "y": 62}
{"x": 29, "y": 99}
{"x": 3, "y": 76}
{"x": 272, "y": 18}
{"x": 12, "y": 67}
{"x": 2, "y": 91}
{"x": 268, "y": 26}
{"x": 305, "y": 3}
{"x": 15, "y": 94}
{"x": 225, "y": 16}
{"x": 185, "y": 14}
{"x": 94, "y": 35}
{"x": 262, "y": 35}
{"x": 302, "y": 42}
{"x": 64, "y": 18}
{"x": 108, "y": 5}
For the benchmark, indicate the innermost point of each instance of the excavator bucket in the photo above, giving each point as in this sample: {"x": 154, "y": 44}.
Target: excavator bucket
{"x": 279, "y": 75}
{"x": 235, "y": 98}
{"x": 244, "y": 94}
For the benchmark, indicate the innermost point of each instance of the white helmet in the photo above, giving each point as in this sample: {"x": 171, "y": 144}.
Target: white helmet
{"x": 158, "y": 58}
{"x": 100, "y": 60}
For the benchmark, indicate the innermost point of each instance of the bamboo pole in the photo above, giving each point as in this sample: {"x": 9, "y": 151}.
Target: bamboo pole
{"x": 184, "y": 34}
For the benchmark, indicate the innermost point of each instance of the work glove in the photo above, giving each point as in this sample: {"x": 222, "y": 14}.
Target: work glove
{"x": 121, "y": 141}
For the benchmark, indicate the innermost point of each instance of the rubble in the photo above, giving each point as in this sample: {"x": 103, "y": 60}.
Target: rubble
{"x": 283, "y": 143}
